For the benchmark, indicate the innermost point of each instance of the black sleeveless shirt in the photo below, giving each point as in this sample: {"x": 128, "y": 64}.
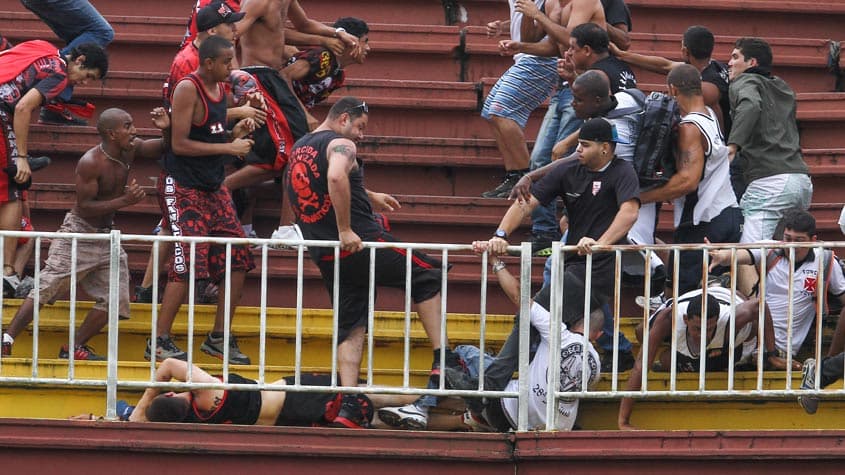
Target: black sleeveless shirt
{"x": 237, "y": 407}
{"x": 307, "y": 186}
{"x": 205, "y": 172}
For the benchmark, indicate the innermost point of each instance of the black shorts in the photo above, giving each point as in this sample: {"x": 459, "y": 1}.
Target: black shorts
{"x": 426, "y": 278}
{"x": 727, "y": 227}
{"x": 309, "y": 409}
{"x": 574, "y": 282}
{"x": 286, "y": 122}
{"x": 717, "y": 360}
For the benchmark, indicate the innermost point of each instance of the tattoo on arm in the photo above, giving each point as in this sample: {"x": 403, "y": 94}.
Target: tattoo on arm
{"x": 344, "y": 150}
{"x": 686, "y": 159}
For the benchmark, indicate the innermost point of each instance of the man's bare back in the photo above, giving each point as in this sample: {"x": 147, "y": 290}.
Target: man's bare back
{"x": 262, "y": 33}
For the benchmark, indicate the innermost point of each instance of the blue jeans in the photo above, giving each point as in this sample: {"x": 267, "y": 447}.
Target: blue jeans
{"x": 74, "y": 21}
{"x": 471, "y": 356}
{"x": 558, "y": 123}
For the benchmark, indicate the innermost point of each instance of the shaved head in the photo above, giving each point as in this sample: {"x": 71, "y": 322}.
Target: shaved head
{"x": 110, "y": 119}
{"x": 595, "y": 83}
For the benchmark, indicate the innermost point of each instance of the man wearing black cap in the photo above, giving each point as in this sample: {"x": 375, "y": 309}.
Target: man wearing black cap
{"x": 601, "y": 194}
{"x": 213, "y": 20}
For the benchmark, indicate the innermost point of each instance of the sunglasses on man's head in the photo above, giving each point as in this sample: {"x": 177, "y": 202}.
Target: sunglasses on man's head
{"x": 362, "y": 106}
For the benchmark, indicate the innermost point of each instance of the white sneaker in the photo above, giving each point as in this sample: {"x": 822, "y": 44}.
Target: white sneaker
{"x": 653, "y": 303}
{"x": 406, "y": 417}
{"x": 288, "y": 233}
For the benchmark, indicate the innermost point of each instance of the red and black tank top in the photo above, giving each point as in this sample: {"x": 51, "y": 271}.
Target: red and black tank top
{"x": 205, "y": 172}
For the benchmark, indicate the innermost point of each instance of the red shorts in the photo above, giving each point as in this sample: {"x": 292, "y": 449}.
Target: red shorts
{"x": 192, "y": 212}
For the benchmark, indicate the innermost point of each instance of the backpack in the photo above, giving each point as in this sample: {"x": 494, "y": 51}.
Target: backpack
{"x": 654, "y": 158}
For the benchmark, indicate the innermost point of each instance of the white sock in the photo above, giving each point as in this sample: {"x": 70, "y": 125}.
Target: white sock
{"x": 8, "y": 338}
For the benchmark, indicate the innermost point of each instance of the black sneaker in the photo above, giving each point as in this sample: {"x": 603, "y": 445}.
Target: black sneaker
{"x": 165, "y": 348}
{"x": 505, "y": 187}
{"x": 453, "y": 361}
{"x": 143, "y": 294}
{"x": 81, "y": 352}
{"x": 37, "y": 163}
{"x": 356, "y": 412}
{"x": 53, "y": 116}
{"x": 461, "y": 380}
{"x": 10, "y": 285}
{"x": 626, "y": 362}
{"x": 214, "y": 347}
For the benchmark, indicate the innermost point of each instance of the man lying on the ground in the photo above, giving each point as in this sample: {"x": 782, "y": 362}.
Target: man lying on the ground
{"x": 267, "y": 407}
{"x": 501, "y": 414}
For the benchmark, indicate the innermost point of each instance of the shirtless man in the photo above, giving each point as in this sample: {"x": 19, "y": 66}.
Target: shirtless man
{"x": 561, "y": 17}
{"x": 262, "y": 42}
{"x": 101, "y": 189}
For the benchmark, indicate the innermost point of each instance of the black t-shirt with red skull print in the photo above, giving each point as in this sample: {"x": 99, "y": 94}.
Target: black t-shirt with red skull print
{"x": 306, "y": 182}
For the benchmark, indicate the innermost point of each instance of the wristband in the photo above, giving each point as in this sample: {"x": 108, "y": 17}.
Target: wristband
{"x": 498, "y": 265}
{"x": 501, "y": 233}
{"x": 338, "y": 31}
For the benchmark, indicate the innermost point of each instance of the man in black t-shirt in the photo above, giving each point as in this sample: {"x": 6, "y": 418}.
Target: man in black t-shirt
{"x": 325, "y": 185}
{"x": 601, "y": 194}
{"x": 588, "y": 49}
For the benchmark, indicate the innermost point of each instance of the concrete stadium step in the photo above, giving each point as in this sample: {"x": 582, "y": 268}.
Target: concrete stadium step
{"x": 388, "y": 336}
{"x": 20, "y": 400}
{"x": 150, "y": 43}
{"x": 438, "y": 219}
{"x": 440, "y": 109}
{"x": 440, "y": 166}
{"x": 800, "y": 61}
{"x": 766, "y": 18}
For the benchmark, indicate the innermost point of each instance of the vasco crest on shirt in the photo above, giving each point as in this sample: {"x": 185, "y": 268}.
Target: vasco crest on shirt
{"x": 596, "y": 187}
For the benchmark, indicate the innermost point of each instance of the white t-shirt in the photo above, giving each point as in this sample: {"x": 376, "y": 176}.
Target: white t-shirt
{"x": 721, "y": 294}
{"x": 516, "y": 24}
{"x": 714, "y": 192}
{"x": 842, "y": 220}
{"x": 804, "y": 283}
{"x": 627, "y": 126}
{"x": 570, "y": 375}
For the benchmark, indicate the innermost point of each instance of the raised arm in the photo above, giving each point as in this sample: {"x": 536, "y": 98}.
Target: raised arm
{"x": 657, "y": 64}
{"x": 169, "y": 369}
{"x": 660, "y": 329}
{"x": 301, "y": 22}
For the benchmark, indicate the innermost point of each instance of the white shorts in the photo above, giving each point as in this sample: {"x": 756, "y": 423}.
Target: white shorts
{"x": 766, "y": 199}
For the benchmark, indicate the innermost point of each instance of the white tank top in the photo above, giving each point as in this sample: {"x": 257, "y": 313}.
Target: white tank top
{"x": 714, "y": 192}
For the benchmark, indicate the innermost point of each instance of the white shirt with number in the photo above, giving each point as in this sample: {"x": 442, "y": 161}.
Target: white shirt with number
{"x": 570, "y": 375}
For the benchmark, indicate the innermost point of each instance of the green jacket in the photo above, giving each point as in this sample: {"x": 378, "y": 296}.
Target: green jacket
{"x": 764, "y": 127}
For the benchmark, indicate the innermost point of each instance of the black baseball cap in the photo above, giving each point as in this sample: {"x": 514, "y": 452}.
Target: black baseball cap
{"x": 215, "y": 14}
{"x": 598, "y": 130}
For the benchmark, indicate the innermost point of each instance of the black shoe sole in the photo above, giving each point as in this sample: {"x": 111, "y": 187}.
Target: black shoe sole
{"x": 394, "y": 420}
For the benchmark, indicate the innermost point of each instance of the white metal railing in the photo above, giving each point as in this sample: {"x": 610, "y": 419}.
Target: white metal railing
{"x": 112, "y": 382}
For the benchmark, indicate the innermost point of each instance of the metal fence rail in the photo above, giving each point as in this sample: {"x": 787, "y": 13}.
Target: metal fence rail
{"x": 112, "y": 382}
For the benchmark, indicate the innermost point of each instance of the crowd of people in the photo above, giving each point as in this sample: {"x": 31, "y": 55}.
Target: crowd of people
{"x": 237, "y": 112}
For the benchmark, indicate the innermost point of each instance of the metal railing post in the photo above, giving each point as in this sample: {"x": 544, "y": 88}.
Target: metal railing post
{"x": 114, "y": 302}
{"x": 524, "y": 331}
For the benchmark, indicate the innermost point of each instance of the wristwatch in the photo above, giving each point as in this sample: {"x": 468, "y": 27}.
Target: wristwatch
{"x": 500, "y": 233}
{"x": 499, "y": 265}
{"x": 338, "y": 31}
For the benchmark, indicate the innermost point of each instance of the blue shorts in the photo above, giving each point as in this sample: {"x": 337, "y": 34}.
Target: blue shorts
{"x": 522, "y": 88}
